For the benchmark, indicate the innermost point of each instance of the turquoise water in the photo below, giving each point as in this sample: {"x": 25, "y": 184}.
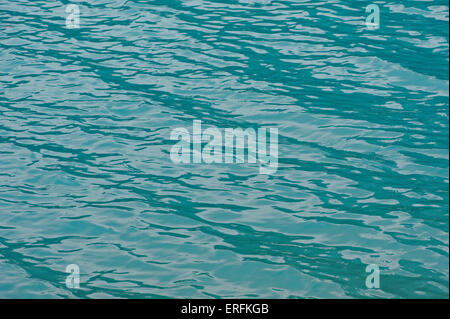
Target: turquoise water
{"x": 86, "y": 177}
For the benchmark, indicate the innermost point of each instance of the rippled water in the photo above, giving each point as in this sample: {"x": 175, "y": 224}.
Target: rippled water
{"x": 86, "y": 177}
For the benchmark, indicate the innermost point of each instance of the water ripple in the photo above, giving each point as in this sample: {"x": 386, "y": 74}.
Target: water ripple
{"x": 86, "y": 177}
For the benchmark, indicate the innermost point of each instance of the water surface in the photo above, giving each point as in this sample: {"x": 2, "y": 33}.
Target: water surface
{"x": 86, "y": 177}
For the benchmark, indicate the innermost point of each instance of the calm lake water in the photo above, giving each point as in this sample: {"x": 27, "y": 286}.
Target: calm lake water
{"x": 86, "y": 176}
